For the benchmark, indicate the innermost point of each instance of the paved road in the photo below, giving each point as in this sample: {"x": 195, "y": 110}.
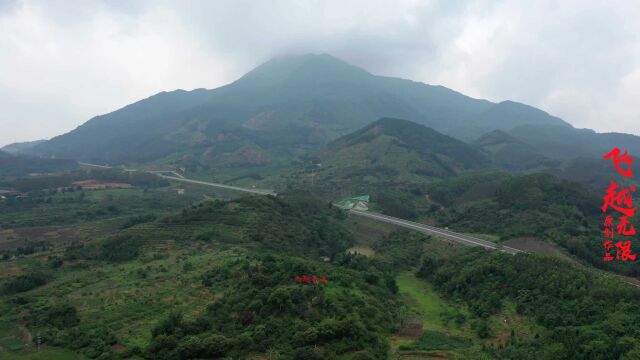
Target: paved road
{"x": 179, "y": 177}
{"x": 95, "y": 165}
{"x": 431, "y": 230}
{"x": 222, "y": 186}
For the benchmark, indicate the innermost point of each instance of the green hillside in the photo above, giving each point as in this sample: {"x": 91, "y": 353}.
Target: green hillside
{"x": 389, "y": 153}
{"x": 512, "y": 154}
{"x": 579, "y": 314}
{"x": 217, "y": 279}
{"x": 536, "y": 206}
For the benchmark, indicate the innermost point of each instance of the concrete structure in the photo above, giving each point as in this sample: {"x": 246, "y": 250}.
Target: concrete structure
{"x": 360, "y": 203}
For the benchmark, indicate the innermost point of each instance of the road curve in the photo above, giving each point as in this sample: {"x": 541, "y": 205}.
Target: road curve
{"x": 431, "y": 230}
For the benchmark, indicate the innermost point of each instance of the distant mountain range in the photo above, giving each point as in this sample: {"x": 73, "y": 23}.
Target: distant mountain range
{"x": 295, "y": 105}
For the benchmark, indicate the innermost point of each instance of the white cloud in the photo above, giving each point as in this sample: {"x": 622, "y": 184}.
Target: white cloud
{"x": 64, "y": 62}
{"x": 62, "y": 74}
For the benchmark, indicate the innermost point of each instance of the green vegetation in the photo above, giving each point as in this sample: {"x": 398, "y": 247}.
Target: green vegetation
{"x": 65, "y": 180}
{"x": 53, "y": 208}
{"x": 537, "y": 205}
{"x": 512, "y": 154}
{"x": 432, "y": 340}
{"x": 23, "y": 283}
{"x": 431, "y": 308}
{"x": 387, "y": 154}
{"x": 584, "y": 314}
{"x": 145, "y": 273}
{"x": 217, "y": 280}
{"x": 17, "y": 165}
{"x": 264, "y": 310}
{"x": 44, "y": 354}
{"x": 401, "y": 250}
{"x": 108, "y": 297}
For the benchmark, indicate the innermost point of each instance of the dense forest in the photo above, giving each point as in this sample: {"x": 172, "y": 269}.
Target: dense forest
{"x": 584, "y": 315}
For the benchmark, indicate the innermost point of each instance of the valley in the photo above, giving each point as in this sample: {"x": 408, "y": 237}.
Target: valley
{"x": 176, "y": 227}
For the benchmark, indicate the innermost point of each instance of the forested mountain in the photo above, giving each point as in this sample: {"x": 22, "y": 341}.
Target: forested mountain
{"x": 288, "y": 104}
{"x": 510, "y": 153}
{"x": 390, "y": 153}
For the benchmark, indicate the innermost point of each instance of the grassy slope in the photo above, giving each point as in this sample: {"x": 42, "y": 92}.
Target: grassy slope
{"x": 129, "y": 298}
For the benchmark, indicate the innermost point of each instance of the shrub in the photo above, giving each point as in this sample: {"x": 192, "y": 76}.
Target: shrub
{"x": 24, "y": 283}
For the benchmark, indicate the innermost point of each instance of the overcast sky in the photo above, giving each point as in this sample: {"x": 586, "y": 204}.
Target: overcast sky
{"x": 63, "y": 62}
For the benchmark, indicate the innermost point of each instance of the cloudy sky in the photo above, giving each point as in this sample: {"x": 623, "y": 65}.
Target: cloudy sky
{"x": 62, "y": 62}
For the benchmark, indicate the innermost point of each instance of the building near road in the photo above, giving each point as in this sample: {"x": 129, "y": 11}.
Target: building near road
{"x": 360, "y": 203}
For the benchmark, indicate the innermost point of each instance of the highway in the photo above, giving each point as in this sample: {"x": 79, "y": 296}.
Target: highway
{"x": 181, "y": 178}
{"x": 427, "y": 229}
{"x": 431, "y": 230}
{"x": 222, "y": 186}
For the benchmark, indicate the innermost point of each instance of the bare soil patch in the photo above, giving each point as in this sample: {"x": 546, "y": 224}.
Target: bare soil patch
{"x": 362, "y": 250}
{"x": 536, "y": 246}
{"x": 411, "y": 329}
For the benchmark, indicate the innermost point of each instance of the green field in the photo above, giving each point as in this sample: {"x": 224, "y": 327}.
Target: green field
{"x": 430, "y": 307}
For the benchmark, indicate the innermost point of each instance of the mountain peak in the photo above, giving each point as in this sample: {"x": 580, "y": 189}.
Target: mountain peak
{"x": 316, "y": 65}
